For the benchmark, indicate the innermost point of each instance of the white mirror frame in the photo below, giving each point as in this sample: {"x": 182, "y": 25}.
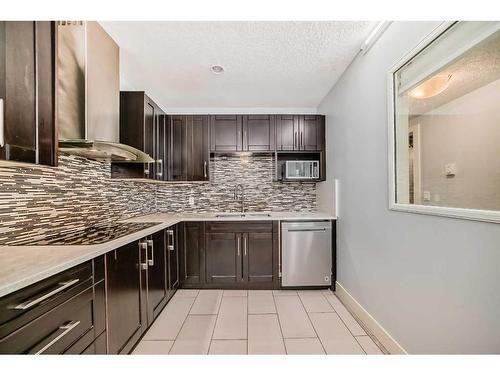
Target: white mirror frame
{"x": 460, "y": 213}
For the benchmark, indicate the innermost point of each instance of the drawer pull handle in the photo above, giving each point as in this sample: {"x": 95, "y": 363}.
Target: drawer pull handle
{"x": 28, "y": 304}
{"x": 67, "y": 328}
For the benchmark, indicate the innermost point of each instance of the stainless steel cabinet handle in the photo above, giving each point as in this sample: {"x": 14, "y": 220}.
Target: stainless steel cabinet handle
{"x": 245, "y": 245}
{"x": 295, "y": 139}
{"x": 301, "y": 136}
{"x": 170, "y": 246}
{"x": 67, "y": 328}
{"x": 160, "y": 167}
{"x": 62, "y": 286}
{"x": 307, "y": 230}
{"x": 2, "y": 119}
{"x": 205, "y": 169}
{"x": 238, "y": 245}
{"x": 143, "y": 246}
{"x": 150, "y": 243}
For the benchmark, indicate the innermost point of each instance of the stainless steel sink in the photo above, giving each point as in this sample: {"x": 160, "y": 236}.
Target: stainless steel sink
{"x": 257, "y": 214}
{"x": 237, "y": 214}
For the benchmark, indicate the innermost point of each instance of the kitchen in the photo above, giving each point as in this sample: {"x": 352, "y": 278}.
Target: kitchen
{"x": 207, "y": 198}
{"x": 155, "y": 202}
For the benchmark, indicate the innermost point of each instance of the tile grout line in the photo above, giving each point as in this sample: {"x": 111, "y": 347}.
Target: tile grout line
{"x": 344, "y": 323}
{"x": 279, "y": 323}
{"x": 215, "y": 323}
{"x": 367, "y": 331}
{"x": 308, "y": 317}
{"x": 187, "y": 315}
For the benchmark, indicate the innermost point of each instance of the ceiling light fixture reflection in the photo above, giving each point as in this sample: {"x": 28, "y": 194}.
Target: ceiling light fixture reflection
{"x": 432, "y": 87}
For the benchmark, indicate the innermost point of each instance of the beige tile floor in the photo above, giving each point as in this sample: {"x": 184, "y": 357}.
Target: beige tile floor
{"x": 256, "y": 322}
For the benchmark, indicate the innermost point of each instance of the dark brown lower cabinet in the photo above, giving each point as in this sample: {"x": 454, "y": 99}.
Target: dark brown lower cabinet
{"x": 127, "y": 309}
{"x": 241, "y": 255}
{"x": 258, "y": 258}
{"x": 223, "y": 258}
{"x": 173, "y": 260}
{"x": 157, "y": 287}
{"x": 64, "y": 314}
{"x": 142, "y": 277}
{"x": 192, "y": 254}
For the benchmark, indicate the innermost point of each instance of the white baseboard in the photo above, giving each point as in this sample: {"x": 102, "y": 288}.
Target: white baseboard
{"x": 368, "y": 321}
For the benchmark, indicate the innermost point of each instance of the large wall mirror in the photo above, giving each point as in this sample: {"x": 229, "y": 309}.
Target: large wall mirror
{"x": 444, "y": 124}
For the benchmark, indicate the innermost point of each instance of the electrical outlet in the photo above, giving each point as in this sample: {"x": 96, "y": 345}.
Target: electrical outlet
{"x": 191, "y": 201}
{"x": 427, "y": 195}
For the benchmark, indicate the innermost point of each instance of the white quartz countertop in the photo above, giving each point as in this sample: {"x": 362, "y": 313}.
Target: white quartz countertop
{"x": 21, "y": 266}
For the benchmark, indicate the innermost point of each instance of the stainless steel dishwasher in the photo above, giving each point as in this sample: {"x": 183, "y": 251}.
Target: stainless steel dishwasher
{"x": 306, "y": 248}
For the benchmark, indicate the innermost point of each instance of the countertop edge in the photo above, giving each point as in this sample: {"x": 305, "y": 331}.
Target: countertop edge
{"x": 89, "y": 252}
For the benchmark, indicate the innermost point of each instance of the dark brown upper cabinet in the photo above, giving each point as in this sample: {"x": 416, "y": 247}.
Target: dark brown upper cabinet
{"x": 259, "y": 132}
{"x": 143, "y": 126}
{"x": 300, "y": 133}
{"x": 198, "y": 149}
{"x": 177, "y": 133}
{"x": 287, "y": 130}
{"x": 312, "y": 132}
{"x": 189, "y": 148}
{"x": 27, "y": 92}
{"x": 226, "y": 133}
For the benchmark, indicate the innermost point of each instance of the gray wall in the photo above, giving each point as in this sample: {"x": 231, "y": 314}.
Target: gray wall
{"x": 433, "y": 283}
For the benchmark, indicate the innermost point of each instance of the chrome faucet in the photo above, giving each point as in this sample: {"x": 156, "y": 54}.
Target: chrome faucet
{"x": 242, "y": 196}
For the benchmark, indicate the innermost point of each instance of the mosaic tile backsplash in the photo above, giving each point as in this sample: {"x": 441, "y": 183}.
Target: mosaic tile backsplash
{"x": 37, "y": 201}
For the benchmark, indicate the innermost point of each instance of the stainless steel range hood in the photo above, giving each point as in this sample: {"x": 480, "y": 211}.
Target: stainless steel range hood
{"x": 88, "y": 94}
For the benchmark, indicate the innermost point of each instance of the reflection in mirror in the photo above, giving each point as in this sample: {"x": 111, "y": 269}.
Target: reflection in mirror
{"x": 447, "y": 120}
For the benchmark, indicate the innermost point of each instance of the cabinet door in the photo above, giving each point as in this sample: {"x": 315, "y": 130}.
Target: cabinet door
{"x": 258, "y": 260}
{"x": 160, "y": 146}
{"x": 198, "y": 153}
{"x": 157, "y": 274}
{"x": 259, "y": 133}
{"x": 178, "y": 148}
{"x": 225, "y": 133}
{"x": 173, "y": 259}
{"x": 192, "y": 254}
{"x": 149, "y": 130}
{"x": 126, "y": 309}
{"x": 309, "y": 139}
{"x": 287, "y": 132}
{"x": 223, "y": 258}
{"x": 27, "y": 92}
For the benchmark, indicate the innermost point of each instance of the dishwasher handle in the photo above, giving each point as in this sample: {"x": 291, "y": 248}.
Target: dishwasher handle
{"x": 307, "y": 230}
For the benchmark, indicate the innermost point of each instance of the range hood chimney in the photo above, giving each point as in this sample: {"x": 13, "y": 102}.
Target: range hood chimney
{"x": 88, "y": 94}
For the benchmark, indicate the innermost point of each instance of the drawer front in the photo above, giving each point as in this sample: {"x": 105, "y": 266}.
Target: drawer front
{"x": 25, "y": 305}
{"x": 57, "y": 330}
{"x": 240, "y": 226}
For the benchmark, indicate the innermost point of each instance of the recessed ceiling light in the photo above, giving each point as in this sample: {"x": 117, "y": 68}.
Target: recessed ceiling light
{"x": 217, "y": 69}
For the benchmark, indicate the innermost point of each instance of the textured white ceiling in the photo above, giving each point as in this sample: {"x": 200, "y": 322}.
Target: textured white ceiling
{"x": 268, "y": 65}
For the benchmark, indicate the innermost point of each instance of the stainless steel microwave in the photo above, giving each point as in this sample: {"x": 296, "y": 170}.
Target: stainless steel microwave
{"x": 301, "y": 170}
